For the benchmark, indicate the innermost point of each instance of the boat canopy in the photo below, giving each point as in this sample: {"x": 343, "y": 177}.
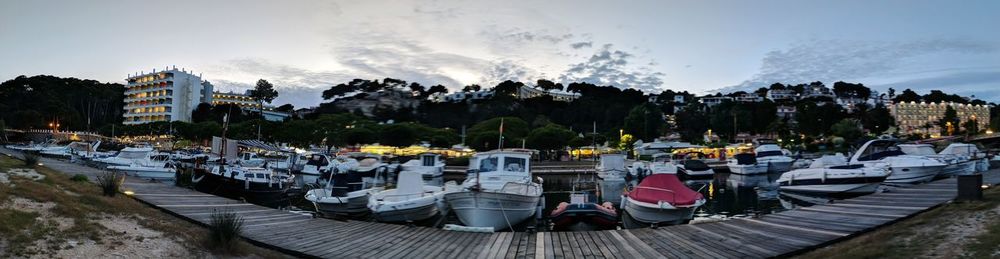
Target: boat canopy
{"x": 666, "y": 188}
{"x": 745, "y": 159}
{"x": 960, "y": 149}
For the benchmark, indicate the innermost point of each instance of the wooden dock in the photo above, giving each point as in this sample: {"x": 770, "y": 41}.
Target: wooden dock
{"x": 780, "y": 234}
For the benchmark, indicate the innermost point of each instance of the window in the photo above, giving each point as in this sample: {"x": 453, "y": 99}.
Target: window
{"x": 514, "y": 164}
{"x": 488, "y": 164}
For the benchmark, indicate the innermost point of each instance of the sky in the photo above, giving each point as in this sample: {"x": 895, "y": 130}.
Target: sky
{"x": 304, "y": 47}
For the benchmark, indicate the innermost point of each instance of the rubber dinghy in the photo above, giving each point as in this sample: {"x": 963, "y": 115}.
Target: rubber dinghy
{"x": 660, "y": 199}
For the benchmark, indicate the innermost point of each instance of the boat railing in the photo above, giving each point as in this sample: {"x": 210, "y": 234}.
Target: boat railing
{"x": 518, "y": 187}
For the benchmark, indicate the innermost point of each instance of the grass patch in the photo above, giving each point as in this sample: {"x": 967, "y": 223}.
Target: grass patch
{"x": 224, "y": 230}
{"x": 110, "y": 182}
{"x": 905, "y": 239}
{"x": 84, "y": 203}
{"x": 30, "y": 159}
{"x": 79, "y": 178}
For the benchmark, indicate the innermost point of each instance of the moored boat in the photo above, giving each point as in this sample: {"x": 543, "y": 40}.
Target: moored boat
{"x": 835, "y": 181}
{"x": 582, "y": 212}
{"x": 775, "y": 159}
{"x": 746, "y": 163}
{"x": 499, "y": 192}
{"x": 410, "y": 201}
{"x": 660, "y": 199}
{"x": 905, "y": 169}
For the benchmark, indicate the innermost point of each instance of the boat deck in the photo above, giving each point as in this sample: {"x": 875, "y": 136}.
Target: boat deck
{"x": 780, "y": 234}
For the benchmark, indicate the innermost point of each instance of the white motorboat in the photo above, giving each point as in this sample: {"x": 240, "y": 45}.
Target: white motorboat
{"x": 693, "y": 167}
{"x": 660, "y": 198}
{"x": 746, "y": 163}
{"x": 500, "y": 192}
{"x": 844, "y": 180}
{"x": 128, "y": 156}
{"x": 429, "y": 165}
{"x": 250, "y": 159}
{"x": 968, "y": 152}
{"x": 346, "y": 194}
{"x": 151, "y": 171}
{"x": 906, "y": 169}
{"x": 956, "y": 166}
{"x": 410, "y": 201}
{"x": 772, "y": 156}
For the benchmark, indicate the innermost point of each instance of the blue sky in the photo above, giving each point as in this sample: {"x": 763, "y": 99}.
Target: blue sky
{"x": 701, "y": 46}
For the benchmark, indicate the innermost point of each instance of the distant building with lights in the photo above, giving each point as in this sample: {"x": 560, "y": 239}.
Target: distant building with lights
{"x": 169, "y": 95}
{"x": 526, "y": 92}
{"x": 242, "y": 100}
{"x": 922, "y": 118}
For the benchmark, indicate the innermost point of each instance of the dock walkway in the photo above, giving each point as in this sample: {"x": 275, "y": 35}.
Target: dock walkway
{"x": 780, "y": 234}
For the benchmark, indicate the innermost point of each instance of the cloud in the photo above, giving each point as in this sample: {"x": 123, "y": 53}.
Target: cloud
{"x": 582, "y": 44}
{"x": 848, "y": 60}
{"x": 300, "y": 87}
{"x": 611, "y": 67}
{"x": 982, "y": 84}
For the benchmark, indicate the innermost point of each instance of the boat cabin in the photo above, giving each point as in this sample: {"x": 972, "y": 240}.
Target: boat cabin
{"x": 745, "y": 159}
{"x": 918, "y": 149}
{"x": 429, "y": 159}
{"x": 501, "y": 162}
{"x": 766, "y": 150}
{"x": 877, "y": 150}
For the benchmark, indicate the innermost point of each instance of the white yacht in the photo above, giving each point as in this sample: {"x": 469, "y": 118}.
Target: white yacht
{"x": 411, "y": 201}
{"x": 429, "y": 165}
{"x": 772, "y": 156}
{"x": 151, "y": 170}
{"x": 956, "y": 166}
{"x": 746, "y": 164}
{"x": 842, "y": 180}
{"x": 499, "y": 193}
{"x": 906, "y": 169}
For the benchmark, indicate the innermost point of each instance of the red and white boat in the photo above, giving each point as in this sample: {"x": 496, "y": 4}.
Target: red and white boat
{"x": 660, "y": 199}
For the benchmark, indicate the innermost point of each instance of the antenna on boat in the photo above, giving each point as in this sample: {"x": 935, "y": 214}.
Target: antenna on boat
{"x": 500, "y": 141}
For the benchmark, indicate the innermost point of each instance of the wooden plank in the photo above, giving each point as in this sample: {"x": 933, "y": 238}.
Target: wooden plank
{"x": 550, "y": 249}
{"x": 662, "y": 245}
{"x": 830, "y": 210}
{"x": 763, "y": 235}
{"x": 640, "y": 246}
{"x": 631, "y": 251}
{"x": 539, "y": 245}
{"x": 823, "y": 232}
{"x": 684, "y": 235}
{"x": 754, "y": 249}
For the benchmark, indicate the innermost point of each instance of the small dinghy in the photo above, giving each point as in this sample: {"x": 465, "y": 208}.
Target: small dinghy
{"x": 660, "y": 199}
{"x": 410, "y": 201}
{"x": 835, "y": 181}
{"x": 581, "y": 213}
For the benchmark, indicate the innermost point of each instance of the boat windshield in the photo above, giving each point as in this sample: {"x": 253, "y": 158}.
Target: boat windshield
{"x": 319, "y": 160}
{"x": 918, "y": 150}
{"x": 428, "y": 160}
{"x": 514, "y": 164}
{"x": 488, "y": 164}
{"x": 880, "y": 149}
{"x": 769, "y": 153}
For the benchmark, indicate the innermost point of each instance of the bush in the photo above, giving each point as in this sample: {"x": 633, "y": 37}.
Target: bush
{"x": 79, "y": 178}
{"x": 183, "y": 178}
{"x": 110, "y": 183}
{"x": 225, "y": 229}
{"x": 30, "y": 159}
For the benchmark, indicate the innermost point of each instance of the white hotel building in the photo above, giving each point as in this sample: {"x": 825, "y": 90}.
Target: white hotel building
{"x": 169, "y": 95}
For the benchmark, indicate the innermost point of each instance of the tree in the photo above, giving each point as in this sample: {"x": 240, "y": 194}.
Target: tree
{"x": 907, "y": 96}
{"x": 971, "y": 127}
{"x": 842, "y": 89}
{"x": 849, "y": 129}
{"x": 286, "y": 108}
{"x": 878, "y": 119}
{"x": 485, "y": 134}
{"x": 357, "y": 136}
{"x": 644, "y": 121}
{"x": 549, "y": 137}
{"x": 472, "y": 88}
{"x": 398, "y": 135}
{"x": 263, "y": 92}
{"x": 948, "y": 122}
{"x": 437, "y": 89}
{"x": 507, "y": 88}
{"x": 548, "y": 85}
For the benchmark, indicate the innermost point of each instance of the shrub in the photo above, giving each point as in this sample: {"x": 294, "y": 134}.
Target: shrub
{"x": 30, "y": 159}
{"x": 183, "y": 177}
{"x": 110, "y": 182}
{"x": 225, "y": 229}
{"x": 79, "y": 178}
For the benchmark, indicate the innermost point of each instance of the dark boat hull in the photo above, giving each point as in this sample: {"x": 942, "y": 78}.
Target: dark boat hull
{"x": 270, "y": 195}
{"x": 587, "y": 216}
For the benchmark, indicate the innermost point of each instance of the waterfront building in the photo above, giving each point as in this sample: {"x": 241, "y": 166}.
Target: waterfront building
{"x": 749, "y": 98}
{"x": 777, "y": 95}
{"x": 922, "y": 118}
{"x": 169, "y": 95}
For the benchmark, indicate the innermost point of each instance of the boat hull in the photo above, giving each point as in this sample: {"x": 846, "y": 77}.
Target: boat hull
{"x": 779, "y": 166}
{"x": 408, "y": 214}
{"x": 910, "y": 175}
{"x": 270, "y": 195}
{"x": 960, "y": 168}
{"x": 152, "y": 173}
{"x": 748, "y": 169}
{"x": 337, "y": 207}
{"x": 490, "y": 209}
{"x": 639, "y": 215}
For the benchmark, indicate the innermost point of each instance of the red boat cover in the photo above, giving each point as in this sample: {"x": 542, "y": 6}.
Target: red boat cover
{"x": 664, "y": 187}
